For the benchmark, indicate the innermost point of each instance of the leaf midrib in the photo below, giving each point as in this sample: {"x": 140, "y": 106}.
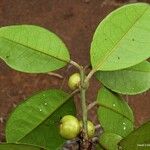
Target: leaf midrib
{"x": 66, "y": 99}
{"x": 105, "y": 106}
{"x": 24, "y": 144}
{"x": 113, "y": 49}
{"x": 127, "y": 70}
{"x": 140, "y": 71}
{"x": 33, "y": 49}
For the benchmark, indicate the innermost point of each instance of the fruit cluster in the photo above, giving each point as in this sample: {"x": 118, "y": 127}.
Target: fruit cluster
{"x": 70, "y": 127}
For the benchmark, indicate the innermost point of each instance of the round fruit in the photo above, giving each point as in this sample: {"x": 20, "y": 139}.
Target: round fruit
{"x": 90, "y": 128}
{"x": 74, "y": 81}
{"x": 69, "y": 127}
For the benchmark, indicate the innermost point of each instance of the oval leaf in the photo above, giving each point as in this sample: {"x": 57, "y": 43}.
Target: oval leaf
{"x": 32, "y": 49}
{"x": 114, "y": 114}
{"x": 110, "y": 140}
{"x": 36, "y": 121}
{"x": 131, "y": 81}
{"x": 122, "y": 38}
{"x": 139, "y": 139}
{"x": 8, "y": 146}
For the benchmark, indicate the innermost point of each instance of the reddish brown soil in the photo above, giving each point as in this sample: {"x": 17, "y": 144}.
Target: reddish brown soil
{"x": 75, "y": 22}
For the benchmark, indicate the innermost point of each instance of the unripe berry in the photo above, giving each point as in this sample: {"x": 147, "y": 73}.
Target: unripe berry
{"x": 90, "y": 128}
{"x": 74, "y": 81}
{"x": 69, "y": 127}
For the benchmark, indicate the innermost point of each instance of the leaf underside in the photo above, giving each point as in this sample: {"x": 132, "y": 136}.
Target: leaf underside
{"x": 8, "y": 146}
{"x": 130, "y": 81}
{"x": 114, "y": 114}
{"x": 110, "y": 141}
{"x": 32, "y": 49}
{"x": 139, "y": 139}
{"x": 36, "y": 121}
{"x": 122, "y": 38}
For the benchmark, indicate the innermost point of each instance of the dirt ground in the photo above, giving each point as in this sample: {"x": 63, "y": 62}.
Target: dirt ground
{"x": 75, "y": 22}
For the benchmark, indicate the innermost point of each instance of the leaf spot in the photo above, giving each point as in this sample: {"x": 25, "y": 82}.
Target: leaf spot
{"x": 6, "y": 56}
{"x": 124, "y": 123}
{"x": 114, "y": 105}
{"x": 124, "y": 128}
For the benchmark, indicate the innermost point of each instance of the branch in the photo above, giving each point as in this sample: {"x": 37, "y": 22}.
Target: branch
{"x": 55, "y": 74}
{"x": 75, "y": 64}
{"x": 84, "y": 105}
{"x": 90, "y": 106}
{"x": 97, "y": 126}
{"x": 90, "y": 75}
{"x": 74, "y": 92}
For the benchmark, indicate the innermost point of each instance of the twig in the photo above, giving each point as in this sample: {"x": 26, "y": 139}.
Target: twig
{"x": 90, "y": 106}
{"x": 83, "y": 89}
{"x": 95, "y": 139}
{"x": 87, "y": 66}
{"x": 90, "y": 75}
{"x": 66, "y": 74}
{"x": 55, "y": 74}
{"x": 1, "y": 120}
{"x": 74, "y": 92}
{"x": 97, "y": 126}
{"x": 75, "y": 64}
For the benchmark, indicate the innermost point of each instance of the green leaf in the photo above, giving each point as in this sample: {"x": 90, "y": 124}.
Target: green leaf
{"x": 129, "y": 81}
{"x": 32, "y": 49}
{"x": 122, "y": 38}
{"x": 114, "y": 114}
{"x": 99, "y": 147}
{"x": 36, "y": 121}
{"x": 110, "y": 140}
{"x": 8, "y": 146}
{"x": 139, "y": 139}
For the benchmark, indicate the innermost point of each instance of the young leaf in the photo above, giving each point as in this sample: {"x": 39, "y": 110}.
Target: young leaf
{"x": 122, "y": 38}
{"x": 114, "y": 114}
{"x": 129, "y": 81}
{"x": 138, "y": 139}
{"x": 110, "y": 140}
{"x": 36, "y": 121}
{"x": 8, "y": 146}
{"x": 32, "y": 49}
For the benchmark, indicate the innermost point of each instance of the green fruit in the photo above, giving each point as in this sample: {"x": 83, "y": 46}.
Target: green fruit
{"x": 90, "y": 128}
{"x": 69, "y": 127}
{"x": 74, "y": 81}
